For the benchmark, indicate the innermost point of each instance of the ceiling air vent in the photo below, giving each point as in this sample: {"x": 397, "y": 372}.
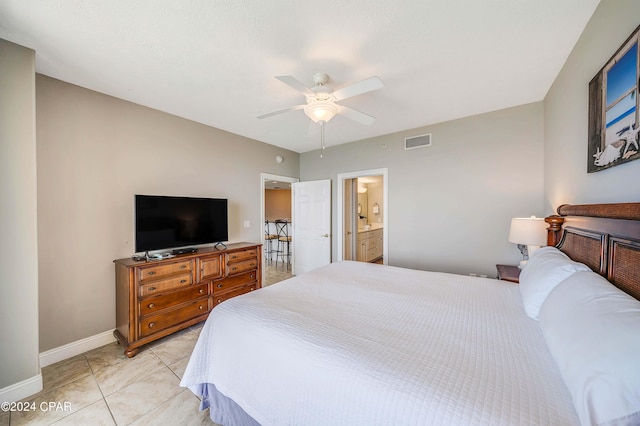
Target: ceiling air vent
{"x": 417, "y": 141}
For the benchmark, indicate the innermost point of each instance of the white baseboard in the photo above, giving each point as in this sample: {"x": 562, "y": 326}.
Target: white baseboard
{"x": 75, "y": 348}
{"x": 22, "y": 389}
{"x": 33, "y": 385}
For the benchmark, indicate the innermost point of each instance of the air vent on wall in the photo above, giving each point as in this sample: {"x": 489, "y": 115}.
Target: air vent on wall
{"x": 417, "y": 141}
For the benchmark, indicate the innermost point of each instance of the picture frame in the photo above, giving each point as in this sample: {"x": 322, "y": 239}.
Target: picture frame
{"x": 614, "y": 106}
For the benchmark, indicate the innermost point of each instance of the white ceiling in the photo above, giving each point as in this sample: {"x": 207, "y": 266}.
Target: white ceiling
{"x": 214, "y": 61}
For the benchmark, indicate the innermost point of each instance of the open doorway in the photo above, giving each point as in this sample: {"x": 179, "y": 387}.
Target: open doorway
{"x": 277, "y": 232}
{"x": 362, "y": 216}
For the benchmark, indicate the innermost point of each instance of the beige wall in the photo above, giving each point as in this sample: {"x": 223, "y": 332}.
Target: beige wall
{"x": 18, "y": 227}
{"x": 94, "y": 152}
{"x": 450, "y": 204}
{"x": 565, "y": 114}
{"x": 277, "y": 204}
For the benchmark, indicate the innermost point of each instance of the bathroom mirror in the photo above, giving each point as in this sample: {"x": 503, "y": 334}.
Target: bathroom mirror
{"x": 364, "y": 202}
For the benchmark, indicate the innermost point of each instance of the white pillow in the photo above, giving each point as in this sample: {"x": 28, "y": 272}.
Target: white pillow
{"x": 592, "y": 329}
{"x": 547, "y": 268}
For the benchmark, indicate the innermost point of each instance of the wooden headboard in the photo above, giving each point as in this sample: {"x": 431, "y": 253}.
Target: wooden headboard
{"x": 605, "y": 237}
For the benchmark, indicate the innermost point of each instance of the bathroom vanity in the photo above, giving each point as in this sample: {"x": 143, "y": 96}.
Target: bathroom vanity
{"x": 369, "y": 244}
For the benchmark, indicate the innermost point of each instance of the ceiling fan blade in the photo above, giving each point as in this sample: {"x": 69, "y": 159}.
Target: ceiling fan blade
{"x": 355, "y": 115}
{"x": 296, "y": 84}
{"x": 368, "y": 85}
{"x": 280, "y": 111}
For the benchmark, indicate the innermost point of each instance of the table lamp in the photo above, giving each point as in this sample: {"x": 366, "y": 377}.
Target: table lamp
{"x": 529, "y": 233}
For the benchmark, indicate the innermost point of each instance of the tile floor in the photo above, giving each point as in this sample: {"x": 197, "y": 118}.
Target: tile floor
{"x": 273, "y": 273}
{"x": 104, "y": 387}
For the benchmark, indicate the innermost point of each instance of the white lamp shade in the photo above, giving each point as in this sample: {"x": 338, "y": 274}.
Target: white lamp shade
{"x": 531, "y": 231}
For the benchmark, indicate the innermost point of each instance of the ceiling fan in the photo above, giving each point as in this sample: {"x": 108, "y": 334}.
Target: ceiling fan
{"x": 321, "y": 103}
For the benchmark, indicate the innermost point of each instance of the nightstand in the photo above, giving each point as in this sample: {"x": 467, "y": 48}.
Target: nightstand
{"x": 508, "y": 273}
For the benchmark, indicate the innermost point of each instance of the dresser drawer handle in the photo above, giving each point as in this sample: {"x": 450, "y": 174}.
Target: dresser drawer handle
{"x": 151, "y": 288}
{"x": 234, "y": 256}
{"x": 183, "y": 266}
{"x": 219, "y": 285}
{"x": 183, "y": 281}
{"x": 252, "y": 264}
{"x": 201, "y": 307}
{"x": 252, "y": 276}
{"x": 151, "y": 305}
{"x": 152, "y": 272}
{"x": 152, "y": 324}
{"x": 201, "y": 291}
{"x": 218, "y": 301}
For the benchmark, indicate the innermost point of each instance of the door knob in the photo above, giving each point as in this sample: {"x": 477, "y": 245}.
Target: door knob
{"x": 325, "y": 236}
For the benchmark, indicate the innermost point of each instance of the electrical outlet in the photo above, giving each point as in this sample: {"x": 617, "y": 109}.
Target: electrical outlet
{"x": 246, "y": 224}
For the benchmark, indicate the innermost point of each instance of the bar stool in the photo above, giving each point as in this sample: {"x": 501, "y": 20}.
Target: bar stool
{"x": 284, "y": 241}
{"x": 268, "y": 242}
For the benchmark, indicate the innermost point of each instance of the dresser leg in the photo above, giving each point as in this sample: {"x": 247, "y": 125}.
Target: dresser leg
{"x": 131, "y": 353}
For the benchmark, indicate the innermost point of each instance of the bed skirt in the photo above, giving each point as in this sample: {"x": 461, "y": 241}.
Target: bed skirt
{"x": 223, "y": 410}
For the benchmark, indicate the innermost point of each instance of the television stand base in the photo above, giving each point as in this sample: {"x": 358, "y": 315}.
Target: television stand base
{"x": 185, "y": 250}
{"x": 224, "y": 246}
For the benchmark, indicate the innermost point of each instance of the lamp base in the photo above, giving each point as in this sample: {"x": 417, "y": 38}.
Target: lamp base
{"x": 529, "y": 250}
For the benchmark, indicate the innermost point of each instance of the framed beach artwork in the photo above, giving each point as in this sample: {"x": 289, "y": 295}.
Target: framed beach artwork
{"x": 613, "y": 109}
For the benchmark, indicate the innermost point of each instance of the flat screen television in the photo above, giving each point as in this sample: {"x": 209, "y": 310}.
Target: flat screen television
{"x": 164, "y": 222}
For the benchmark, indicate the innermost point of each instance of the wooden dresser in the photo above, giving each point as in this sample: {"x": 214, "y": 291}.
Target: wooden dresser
{"x": 159, "y": 297}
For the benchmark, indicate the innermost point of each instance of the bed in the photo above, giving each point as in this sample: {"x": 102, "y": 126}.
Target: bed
{"x": 364, "y": 344}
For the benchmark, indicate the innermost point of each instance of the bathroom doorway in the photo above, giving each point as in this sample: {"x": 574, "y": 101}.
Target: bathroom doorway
{"x": 362, "y": 216}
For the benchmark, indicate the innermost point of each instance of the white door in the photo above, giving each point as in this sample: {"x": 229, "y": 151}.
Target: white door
{"x": 311, "y": 225}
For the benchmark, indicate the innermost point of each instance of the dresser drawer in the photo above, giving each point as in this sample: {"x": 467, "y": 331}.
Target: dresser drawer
{"x": 158, "y": 286}
{"x": 157, "y": 303}
{"x": 217, "y": 299}
{"x": 157, "y": 271}
{"x": 210, "y": 267}
{"x": 374, "y": 253}
{"x": 375, "y": 234}
{"x": 235, "y": 281}
{"x": 240, "y": 255}
{"x": 243, "y": 266}
{"x": 155, "y": 323}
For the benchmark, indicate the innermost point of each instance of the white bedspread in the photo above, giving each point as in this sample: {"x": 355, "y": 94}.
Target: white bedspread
{"x": 361, "y": 344}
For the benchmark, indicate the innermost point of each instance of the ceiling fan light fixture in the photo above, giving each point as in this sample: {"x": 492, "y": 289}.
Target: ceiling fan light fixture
{"x": 321, "y": 111}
